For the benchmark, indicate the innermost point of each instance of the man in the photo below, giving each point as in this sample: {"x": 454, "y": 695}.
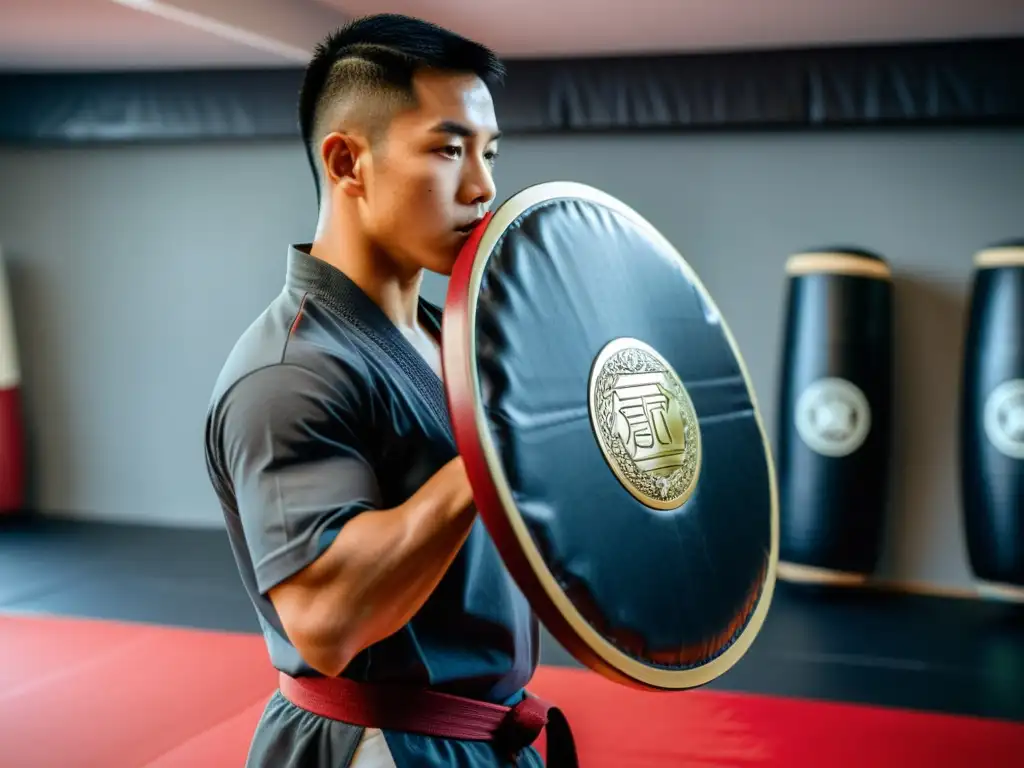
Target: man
{"x": 328, "y": 440}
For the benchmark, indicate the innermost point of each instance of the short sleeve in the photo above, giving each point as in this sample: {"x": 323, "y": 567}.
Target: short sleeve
{"x": 293, "y": 448}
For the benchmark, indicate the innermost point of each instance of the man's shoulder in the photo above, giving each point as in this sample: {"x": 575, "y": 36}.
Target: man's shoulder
{"x": 289, "y": 345}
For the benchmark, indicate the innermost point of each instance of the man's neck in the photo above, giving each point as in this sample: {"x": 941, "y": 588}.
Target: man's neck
{"x": 376, "y": 274}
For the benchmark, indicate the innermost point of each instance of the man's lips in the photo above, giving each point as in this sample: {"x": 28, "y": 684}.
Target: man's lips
{"x": 467, "y": 228}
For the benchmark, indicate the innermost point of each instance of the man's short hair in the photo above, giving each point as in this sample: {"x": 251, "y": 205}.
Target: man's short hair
{"x": 363, "y": 72}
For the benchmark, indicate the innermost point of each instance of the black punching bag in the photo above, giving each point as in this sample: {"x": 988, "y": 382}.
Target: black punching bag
{"x": 992, "y": 423}
{"x": 834, "y": 416}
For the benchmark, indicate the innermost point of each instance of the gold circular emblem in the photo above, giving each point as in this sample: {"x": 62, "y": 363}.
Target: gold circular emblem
{"x": 645, "y": 423}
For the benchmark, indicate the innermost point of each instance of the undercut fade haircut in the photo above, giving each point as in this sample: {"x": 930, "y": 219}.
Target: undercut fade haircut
{"x": 362, "y": 74}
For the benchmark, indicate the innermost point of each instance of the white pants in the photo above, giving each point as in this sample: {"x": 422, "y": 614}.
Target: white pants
{"x": 373, "y": 751}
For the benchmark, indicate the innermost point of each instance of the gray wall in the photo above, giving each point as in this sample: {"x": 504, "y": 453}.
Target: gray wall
{"x": 134, "y": 269}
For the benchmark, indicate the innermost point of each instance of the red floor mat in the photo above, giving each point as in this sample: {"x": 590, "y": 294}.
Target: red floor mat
{"x": 87, "y": 694}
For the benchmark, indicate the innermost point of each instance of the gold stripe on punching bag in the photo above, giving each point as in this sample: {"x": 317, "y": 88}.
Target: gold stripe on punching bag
{"x": 992, "y": 423}
{"x": 838, "y": 263}
{"x": 833, "y": 438}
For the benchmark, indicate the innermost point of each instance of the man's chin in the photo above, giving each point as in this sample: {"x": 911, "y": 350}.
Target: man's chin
{"x": 442, "y": 264}
{"x": 445, "y": 272}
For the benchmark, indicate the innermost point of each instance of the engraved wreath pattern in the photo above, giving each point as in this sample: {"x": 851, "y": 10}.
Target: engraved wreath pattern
{"x": 661, "y": 488}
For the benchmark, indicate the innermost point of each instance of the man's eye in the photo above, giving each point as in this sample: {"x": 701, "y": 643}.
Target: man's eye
{"x": 451, "y": 151}
{"x": 491, "y": 156}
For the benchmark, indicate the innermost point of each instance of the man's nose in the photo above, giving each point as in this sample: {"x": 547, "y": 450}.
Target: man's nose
{"x": 478, "y": 185}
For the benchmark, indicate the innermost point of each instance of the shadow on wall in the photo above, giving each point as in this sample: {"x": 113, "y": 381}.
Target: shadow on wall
{"x": 925, "y": 510}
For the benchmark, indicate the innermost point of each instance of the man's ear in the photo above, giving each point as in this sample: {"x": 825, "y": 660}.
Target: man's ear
{"x": 344, "y": 157}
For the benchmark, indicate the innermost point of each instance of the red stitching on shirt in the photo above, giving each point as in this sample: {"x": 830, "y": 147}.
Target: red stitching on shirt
{"x": 298, "y": 316}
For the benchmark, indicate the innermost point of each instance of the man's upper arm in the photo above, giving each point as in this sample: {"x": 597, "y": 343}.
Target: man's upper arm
{"x": 293, "y": 447}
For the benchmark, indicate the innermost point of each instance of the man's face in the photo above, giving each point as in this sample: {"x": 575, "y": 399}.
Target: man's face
{"x": 431, "y": 179}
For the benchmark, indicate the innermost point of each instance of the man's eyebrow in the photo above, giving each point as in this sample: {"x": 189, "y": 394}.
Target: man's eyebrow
{"x": 458, "y": 129}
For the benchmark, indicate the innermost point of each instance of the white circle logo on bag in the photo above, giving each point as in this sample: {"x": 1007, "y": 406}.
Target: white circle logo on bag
{"x": 1004, "y": 418}
{"x": 833, "y": 417}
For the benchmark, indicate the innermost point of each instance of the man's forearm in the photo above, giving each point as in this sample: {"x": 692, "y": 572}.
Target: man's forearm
{"x": 381, "y": 569}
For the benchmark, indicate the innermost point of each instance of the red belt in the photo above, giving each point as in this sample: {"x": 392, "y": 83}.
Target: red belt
{"x": 418, "y": 710}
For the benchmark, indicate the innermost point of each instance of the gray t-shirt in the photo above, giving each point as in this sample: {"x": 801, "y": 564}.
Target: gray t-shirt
{"x": 323, "y": 411}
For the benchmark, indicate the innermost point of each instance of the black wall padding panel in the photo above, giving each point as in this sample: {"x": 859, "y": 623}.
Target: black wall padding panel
{"x": 148, "y": 106}
{"x": 940, "y": 84}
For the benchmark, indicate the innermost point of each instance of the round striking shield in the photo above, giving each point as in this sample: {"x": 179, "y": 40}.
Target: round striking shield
{"x": 612, "y": 437}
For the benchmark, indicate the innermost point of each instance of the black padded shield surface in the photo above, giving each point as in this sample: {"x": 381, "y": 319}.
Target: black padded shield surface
{"x": 671, "y": 589}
